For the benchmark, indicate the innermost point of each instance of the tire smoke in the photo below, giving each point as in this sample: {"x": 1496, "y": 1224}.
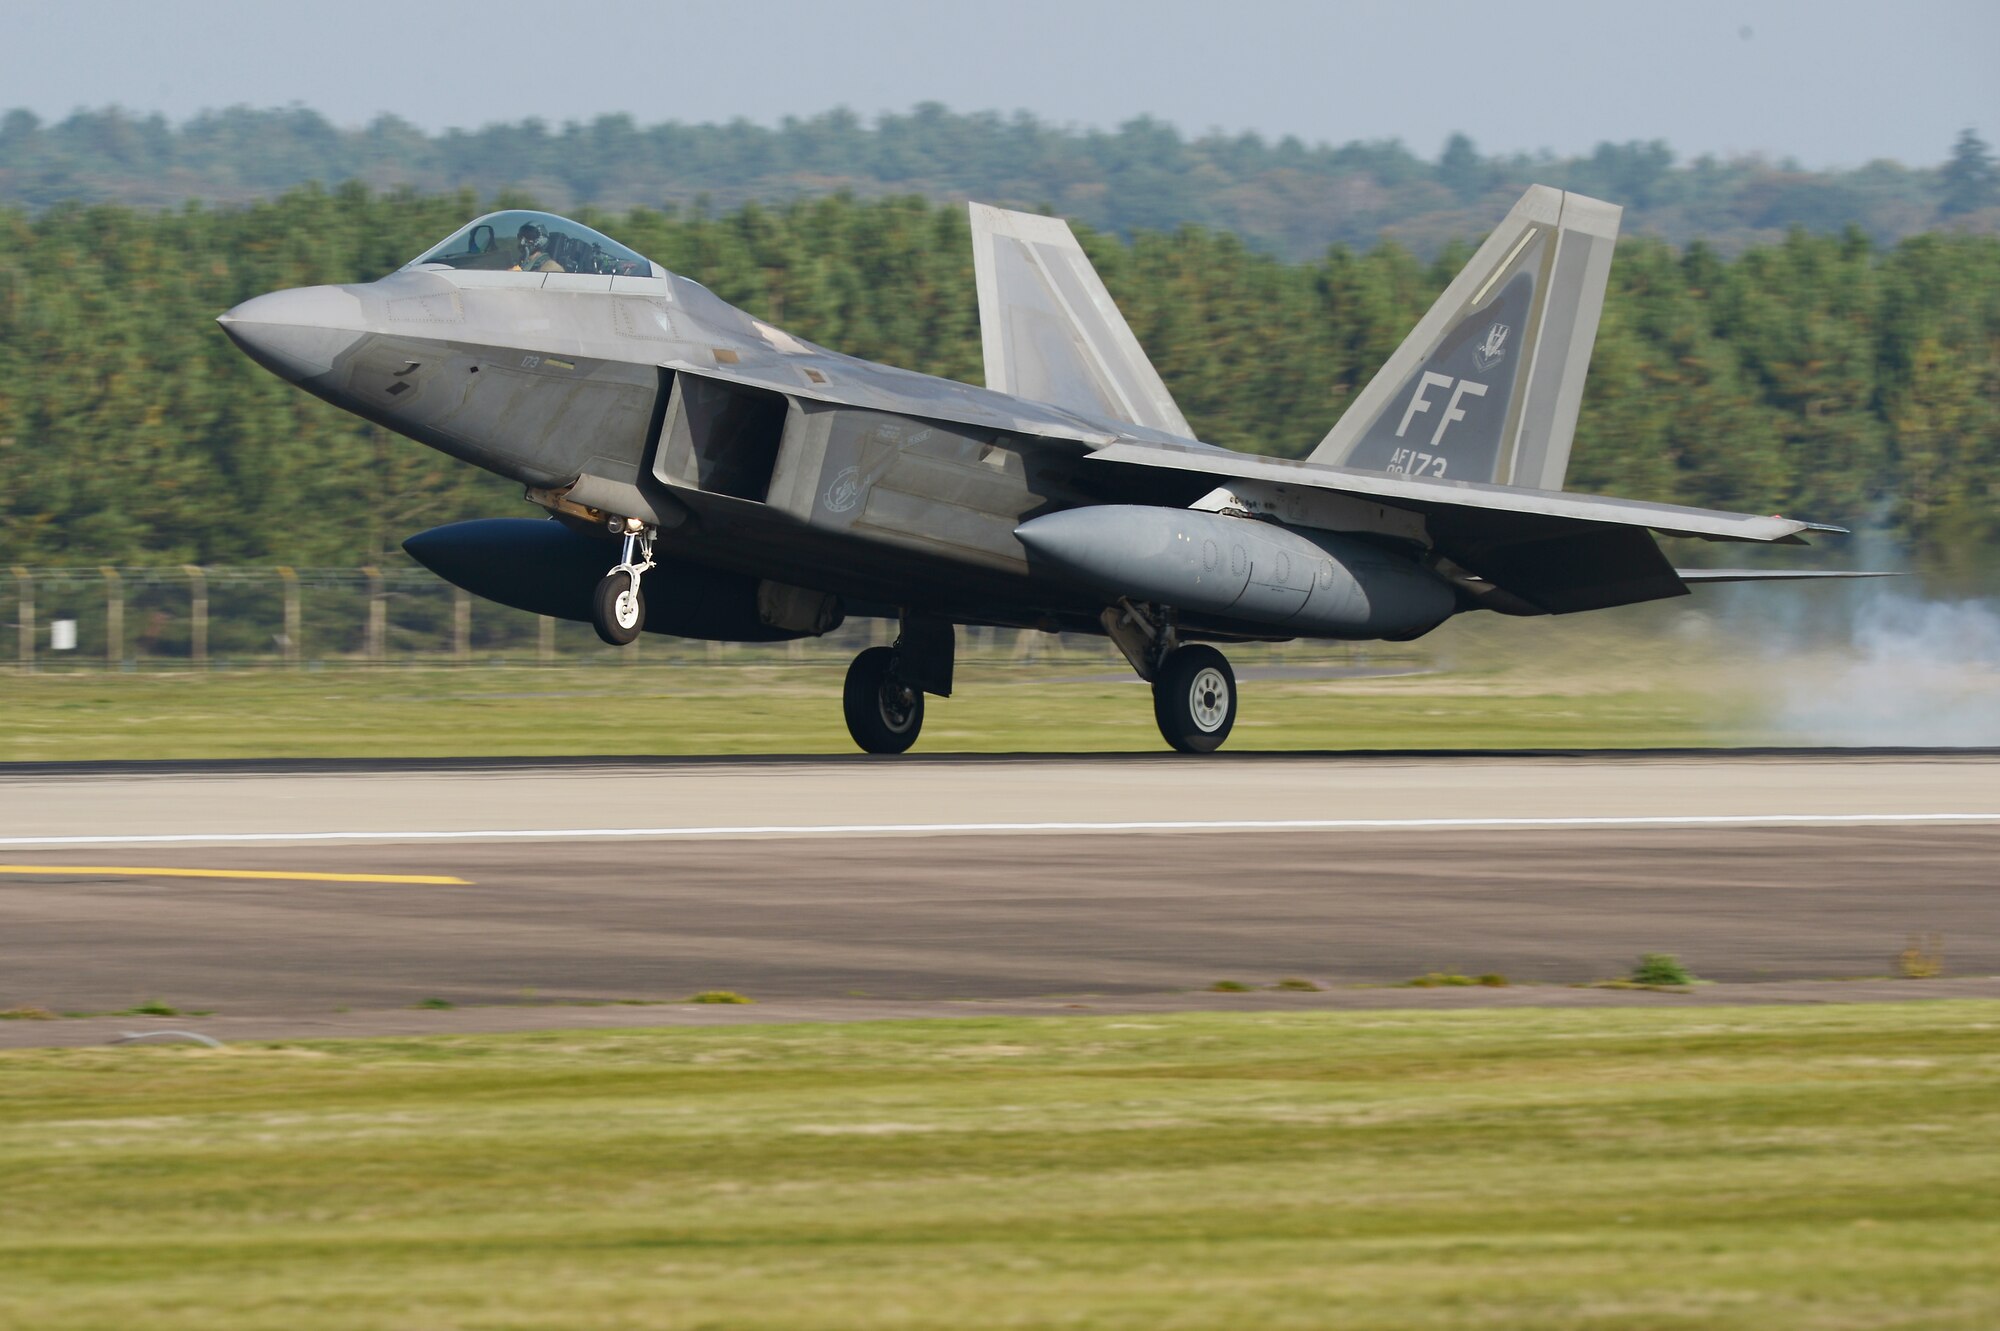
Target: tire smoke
{"x": 1911, "y": 671}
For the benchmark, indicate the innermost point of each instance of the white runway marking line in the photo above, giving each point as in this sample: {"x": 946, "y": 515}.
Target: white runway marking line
{"x": 934, "y": 829}
{"x": 255, "y": 875}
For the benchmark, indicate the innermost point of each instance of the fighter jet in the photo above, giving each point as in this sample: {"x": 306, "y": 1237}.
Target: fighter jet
{"x": 712, "y": 476}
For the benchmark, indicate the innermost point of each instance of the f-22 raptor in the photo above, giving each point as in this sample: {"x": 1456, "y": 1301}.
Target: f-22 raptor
{"x": 712, "y": 476}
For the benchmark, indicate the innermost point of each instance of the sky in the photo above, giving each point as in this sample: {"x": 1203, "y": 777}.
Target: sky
{"x": 1830, "y": 82}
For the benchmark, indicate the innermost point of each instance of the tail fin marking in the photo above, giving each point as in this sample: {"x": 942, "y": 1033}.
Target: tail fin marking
{"x": 1488, "y": 385}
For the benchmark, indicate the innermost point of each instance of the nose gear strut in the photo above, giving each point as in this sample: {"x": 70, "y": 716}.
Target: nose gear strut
{"x": 618, "y": 610}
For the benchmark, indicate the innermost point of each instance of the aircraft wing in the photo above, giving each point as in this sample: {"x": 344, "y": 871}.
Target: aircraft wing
{"x": 1439, "y": 499}
{"x": 1515, "y": 550}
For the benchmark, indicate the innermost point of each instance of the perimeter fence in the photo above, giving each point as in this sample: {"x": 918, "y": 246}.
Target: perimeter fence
{"x": 196, "y": 618}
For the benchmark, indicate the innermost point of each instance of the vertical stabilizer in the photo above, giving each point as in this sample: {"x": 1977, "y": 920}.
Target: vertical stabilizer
{"x": 1488, "y": 385}
{"x": 1050, "y": 329}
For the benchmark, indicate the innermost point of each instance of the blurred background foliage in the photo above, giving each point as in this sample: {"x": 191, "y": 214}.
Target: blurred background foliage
{"x": 1285, "y": 197}
{"x": 1849, "y": 374}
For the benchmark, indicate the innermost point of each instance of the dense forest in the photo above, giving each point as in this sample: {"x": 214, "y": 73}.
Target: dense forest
{"x": 1286, "y": 197}
{"x": 1825, "y": 376}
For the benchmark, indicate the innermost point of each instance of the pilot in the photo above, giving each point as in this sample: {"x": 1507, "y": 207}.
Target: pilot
{"x": 532, "y": 243}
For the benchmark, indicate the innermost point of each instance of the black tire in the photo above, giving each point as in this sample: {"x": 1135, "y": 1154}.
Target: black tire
{"x": 884, "y": 712}
{"x": 616, "y": 620}
{"x": 1194, "y": 699}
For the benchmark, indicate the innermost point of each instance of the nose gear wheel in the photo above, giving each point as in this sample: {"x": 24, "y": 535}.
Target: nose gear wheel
{"x": 618, "y": 609}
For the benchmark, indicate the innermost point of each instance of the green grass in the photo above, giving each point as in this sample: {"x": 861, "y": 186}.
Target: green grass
{"x": 1661, "y": 968}
{"x": 724, "y": 996}
{"x": 662, "y": 708}
{"x": 1829, "y": 1167}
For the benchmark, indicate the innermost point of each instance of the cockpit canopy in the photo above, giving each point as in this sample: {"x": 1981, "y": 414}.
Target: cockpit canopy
{"x": 519, "y": 241}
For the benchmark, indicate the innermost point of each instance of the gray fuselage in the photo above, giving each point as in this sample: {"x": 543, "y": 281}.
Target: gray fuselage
{"x": 748, "y": 450}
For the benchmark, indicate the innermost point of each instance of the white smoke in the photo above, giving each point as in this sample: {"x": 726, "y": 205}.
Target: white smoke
{"x": 1910, "y": 672}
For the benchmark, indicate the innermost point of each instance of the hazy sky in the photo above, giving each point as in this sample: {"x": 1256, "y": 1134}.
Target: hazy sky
{"x": 1831, "y": 82}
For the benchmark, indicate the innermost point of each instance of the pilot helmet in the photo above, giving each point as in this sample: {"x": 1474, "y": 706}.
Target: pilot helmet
{"x": 531, "y": 237}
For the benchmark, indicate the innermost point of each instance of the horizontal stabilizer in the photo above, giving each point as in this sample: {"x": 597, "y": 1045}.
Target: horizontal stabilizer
{"x": 1694, "y": 575}
{"x": 1052, "y": 332}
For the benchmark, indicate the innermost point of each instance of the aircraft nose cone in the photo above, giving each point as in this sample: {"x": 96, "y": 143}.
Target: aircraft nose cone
{"x": 296, "y": 334}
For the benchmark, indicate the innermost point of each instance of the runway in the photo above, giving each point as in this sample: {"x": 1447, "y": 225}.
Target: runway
{"x": 864, "y": 887}
{"x": 219, "y": 803}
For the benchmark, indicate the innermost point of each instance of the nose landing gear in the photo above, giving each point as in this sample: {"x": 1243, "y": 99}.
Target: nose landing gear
{"x": 618, "y": 610}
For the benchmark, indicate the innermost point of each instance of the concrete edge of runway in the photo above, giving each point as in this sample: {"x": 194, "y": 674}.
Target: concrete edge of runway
{"x": 529, "y": 762}
{"x": 528, "y": 1018}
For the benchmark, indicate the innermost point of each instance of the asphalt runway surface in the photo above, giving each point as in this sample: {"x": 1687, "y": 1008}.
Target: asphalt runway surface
{"x": 582, "y": 892}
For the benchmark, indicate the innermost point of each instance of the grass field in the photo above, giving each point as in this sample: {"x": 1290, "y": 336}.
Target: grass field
{"x": 1829, "y": 1167}
{"x": 1082, "y": 703}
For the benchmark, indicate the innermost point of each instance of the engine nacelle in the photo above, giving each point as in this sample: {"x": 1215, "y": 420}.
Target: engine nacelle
{"x": 545, "y": 568}
{"x": 1253, "y": 573}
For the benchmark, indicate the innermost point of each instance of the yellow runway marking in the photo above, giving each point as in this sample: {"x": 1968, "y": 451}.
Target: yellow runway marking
{"x": 262, "y": 874}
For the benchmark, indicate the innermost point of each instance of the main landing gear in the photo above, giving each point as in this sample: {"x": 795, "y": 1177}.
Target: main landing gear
{"x": 1194, "y": 690}
{"x": 884, "y": 711}
{"x": 884, "y": 694}
{"x": 1194, "y": 698}
{"x": 618, "y": 610}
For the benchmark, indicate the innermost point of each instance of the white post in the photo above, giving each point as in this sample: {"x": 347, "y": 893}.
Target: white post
{"x": 114, "y": 615}
{"x": 292, "y": 617}
{"x": 26, "y": 584}
{"x": 197, "y": 615}
{"x": 378, "y": 616}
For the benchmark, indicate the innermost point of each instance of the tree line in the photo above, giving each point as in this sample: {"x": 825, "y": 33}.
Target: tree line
{"x": 1826, "y": 376}
{"x": 1285, "y": 196}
